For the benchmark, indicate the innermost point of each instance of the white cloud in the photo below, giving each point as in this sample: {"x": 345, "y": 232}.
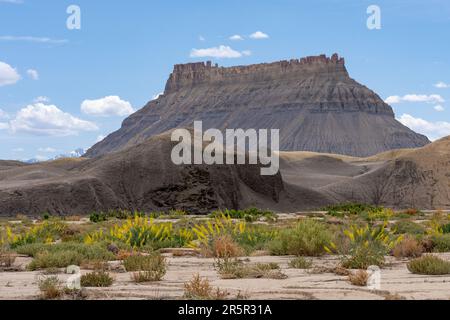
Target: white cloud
{"x": 47, "y": 150}
{"x": 246, "y": 53}
{"x": 3, "y": 115}
{"x": 236, "y": 37}
{"x": 439, "y": 108}
{"x": 216, "y": 52}
{"x": 258, "y": 35}
{"x": 201, "y": 38}
{"x": 8, "y": 75}
{"x": 42, "y": 99}
{"x": 18, "y": 150}
{"x": 107, "y": 106}
{"x": 33, "y": 39}
{"x": 433, "y": 98}
{"x": 442, "y": 85}
{"x": 48, "y": 120}
{"x": 33, "y": 74}
{"x": 4, "y": 126}
{"x": 434, "y": 130}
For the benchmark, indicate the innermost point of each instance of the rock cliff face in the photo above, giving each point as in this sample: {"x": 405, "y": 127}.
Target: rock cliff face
{"x": 313, "y": 101}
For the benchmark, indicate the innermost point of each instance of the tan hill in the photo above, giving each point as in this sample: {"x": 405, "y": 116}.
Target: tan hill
{"x": 313, "y": 101}
{"x": 408, "y": 178}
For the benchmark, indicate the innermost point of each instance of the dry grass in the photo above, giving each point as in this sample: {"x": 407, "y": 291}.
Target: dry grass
{"x": 201, "y": 289}
{"x": 359, "y": 278}
{"x": 7, "y": 259}
{"x": 408, "y": 248}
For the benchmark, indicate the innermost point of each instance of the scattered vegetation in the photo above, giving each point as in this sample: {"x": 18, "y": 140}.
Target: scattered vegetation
{"x": 342, "y": 210}
{"x": 429, "y": 265}
{"x": 307, "y": 238}
{"x": 7, "y": 258}
{"x": 201, "y": 289}
{"x": 408, "y": 227}
{"x": 249, "y": 215}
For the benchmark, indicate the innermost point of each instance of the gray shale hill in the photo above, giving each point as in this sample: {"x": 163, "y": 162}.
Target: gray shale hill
{"x": 313, "y": 101}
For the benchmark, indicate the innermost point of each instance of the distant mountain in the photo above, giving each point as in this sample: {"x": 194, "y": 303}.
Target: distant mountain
{"x": 313, "y": 101}
{"x": 77, "y": 153}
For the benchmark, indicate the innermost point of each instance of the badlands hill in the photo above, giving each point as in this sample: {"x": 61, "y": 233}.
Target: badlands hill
{"x": 313, "y": 101}
{"x": 143, "y": 177}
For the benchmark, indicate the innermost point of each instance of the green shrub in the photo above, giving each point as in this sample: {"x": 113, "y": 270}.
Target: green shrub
{"x": 307, "y": 238}
{"x": 441, "y": 243}
{"x": 365, "y": 246}
{"x": 351, "y": 209}
{"x": 146, "y": 268}
{"x": 96, "y": 279}
{"x": 446, "y": 228}
{"x": 408, "y": 227}
{"x": 60, "y": 259}
{"x": 429, "y": 265}
{"x": 301, "y": 263}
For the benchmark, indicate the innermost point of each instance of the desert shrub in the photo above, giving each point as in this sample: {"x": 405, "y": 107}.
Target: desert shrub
{"x": 236, "y": 269}
{"x": 201, "y": 289}
{"x": 429, "y": 265}
{"x": 408, "y": 227}
{"x": 307, "y": 238}
{"x": 7, "y": 258}
{"x": 50, "y": 288}
{"x": 366, "y": 246}
{"x": 446, "y": 228}
{"x": 441, "y": 242}
{"x": 146, "y": 268}
{"x": 359, "y": 278}
{"x": 60, "y": 259}
{"x": 301, "y": 263}
{"x": 341, "y": 210}
{"x": 408, "y": 248}
{"x": 222, "y": 247}
{"x": 97, "y": 279}
{"x": 250, "y": 215}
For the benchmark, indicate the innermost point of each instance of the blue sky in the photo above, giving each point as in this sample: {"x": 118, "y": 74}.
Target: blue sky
{"x": 123, "y": 53}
